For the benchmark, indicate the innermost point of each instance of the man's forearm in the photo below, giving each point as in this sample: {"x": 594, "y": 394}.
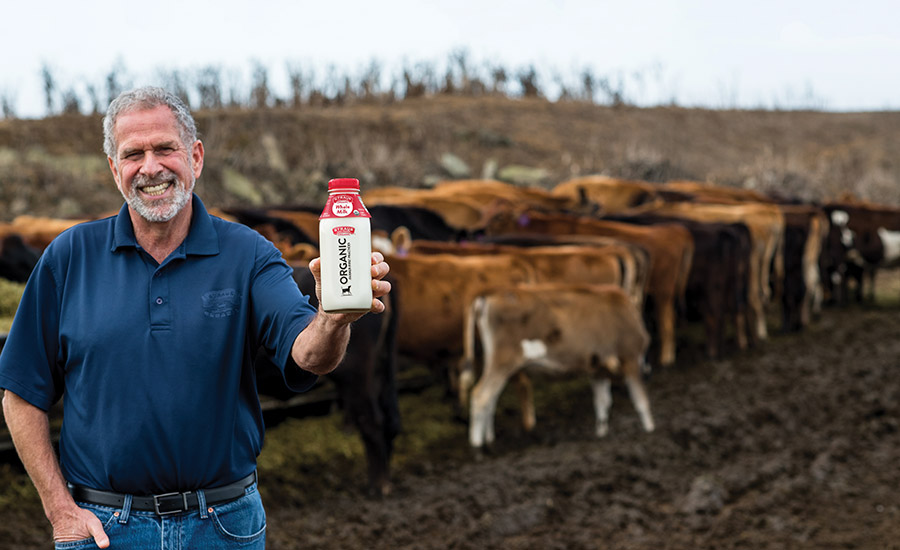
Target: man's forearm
{"x": 30, "y": 430}
{"x": 320, "y": 347}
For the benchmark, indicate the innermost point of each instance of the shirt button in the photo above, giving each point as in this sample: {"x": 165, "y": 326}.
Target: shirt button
{"x": 159, "y": 301}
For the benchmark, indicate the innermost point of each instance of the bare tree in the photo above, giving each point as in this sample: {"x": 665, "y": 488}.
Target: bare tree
{"x": 209, "y": 86}
{"x": 499, "y": 80}
{"x": 114, "y": 84}
{"x": 528, "y": 79}
{"x": 94, "y": 97}
{"x": 587, "y": 85}
{"x": 7, "y": 104}
{"x": 71, "y": 105}
{"x": 299, "y": 82}
{"x": 370, "y": 81}
{"x": 260, "y": 94}
{"x": 49, "y": 86}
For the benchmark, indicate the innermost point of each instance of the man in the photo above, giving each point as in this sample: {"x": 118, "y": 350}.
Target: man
{"x": 148, "y": 323}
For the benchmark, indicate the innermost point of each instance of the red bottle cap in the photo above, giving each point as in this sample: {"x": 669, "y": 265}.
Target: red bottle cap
{"x": 350, "y": 184}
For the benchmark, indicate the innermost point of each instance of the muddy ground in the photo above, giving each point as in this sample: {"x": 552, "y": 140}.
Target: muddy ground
{"x": 793, "y": 444}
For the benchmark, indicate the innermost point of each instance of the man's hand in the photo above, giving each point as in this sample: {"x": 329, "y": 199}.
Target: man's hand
{"x": 380, "y": 288}
{"x": 30, "y": 430}
{"x": 78, "y": 524}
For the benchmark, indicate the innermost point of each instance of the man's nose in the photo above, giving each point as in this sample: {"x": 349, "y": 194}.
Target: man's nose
{"x": 150, "y": 165}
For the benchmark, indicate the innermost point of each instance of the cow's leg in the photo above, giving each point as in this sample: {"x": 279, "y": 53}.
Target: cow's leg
{"x": 602, "y": 403}
{"x": 714, "y": 330}
{"x": 665, "y": 315}
{"x": 363, "y": 410}
{"x": 484, "y": 404}
{"x": 740, "y": 330}
{"x": 639, "y": 397}
{"x": 525, "y": 390}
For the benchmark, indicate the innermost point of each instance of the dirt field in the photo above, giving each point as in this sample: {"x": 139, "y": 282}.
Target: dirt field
{"x": 791, "y": 445}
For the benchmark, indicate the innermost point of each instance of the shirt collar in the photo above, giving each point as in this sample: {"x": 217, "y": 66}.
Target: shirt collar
{"x": 202, "y": 238}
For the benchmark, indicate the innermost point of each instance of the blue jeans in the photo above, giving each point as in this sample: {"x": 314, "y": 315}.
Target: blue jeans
{"x": 240, "y": 524}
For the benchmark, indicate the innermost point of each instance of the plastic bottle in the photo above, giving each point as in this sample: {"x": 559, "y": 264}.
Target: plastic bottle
{"x": 345, "y": 249}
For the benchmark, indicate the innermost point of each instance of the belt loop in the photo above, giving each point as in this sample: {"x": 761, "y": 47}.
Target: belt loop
{"x": 201, "y": 503}
{"x": 126, "y": 510}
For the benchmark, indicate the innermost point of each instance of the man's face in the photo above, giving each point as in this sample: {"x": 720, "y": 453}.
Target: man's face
{"x": 153, "y": 169}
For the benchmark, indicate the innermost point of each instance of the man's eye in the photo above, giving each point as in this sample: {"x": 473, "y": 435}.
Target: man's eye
{"x": 165, "y": 150}
{"x": 134, "y": 155}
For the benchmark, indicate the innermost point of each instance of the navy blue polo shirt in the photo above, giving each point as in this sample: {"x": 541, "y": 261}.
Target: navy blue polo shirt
{"x": 155, "y": 362}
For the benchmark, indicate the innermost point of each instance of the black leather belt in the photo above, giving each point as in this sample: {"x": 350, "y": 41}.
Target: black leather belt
{"x": 169, "y": 503}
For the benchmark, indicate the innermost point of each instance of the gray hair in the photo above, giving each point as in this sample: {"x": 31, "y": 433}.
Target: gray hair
{"x": 147, "y": 98}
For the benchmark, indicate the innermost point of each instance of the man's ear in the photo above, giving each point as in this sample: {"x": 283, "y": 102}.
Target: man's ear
{"x": 113, "y": 169}
{"x": 197, "y": 158}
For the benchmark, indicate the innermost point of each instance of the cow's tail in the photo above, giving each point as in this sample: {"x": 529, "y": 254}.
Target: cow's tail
{"x": 467, "y": 364}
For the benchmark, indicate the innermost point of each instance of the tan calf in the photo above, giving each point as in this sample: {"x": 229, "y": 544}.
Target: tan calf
{"x": 588, "y": 329}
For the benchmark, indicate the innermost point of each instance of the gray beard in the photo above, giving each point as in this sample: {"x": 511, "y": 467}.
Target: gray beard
{"x": 159, "y": 211}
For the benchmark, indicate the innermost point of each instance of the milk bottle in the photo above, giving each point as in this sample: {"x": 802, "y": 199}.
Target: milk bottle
{"x": 345, "y": 248}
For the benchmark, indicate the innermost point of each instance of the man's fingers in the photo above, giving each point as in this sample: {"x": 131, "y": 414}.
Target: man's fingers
{"x": 96, "y": 530}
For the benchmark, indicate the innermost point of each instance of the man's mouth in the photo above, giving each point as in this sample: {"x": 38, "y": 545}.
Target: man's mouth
{"x": 156, "y": 190}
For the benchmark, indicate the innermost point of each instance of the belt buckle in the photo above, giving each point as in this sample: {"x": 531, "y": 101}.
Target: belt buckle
{"x": 180, "y": 501}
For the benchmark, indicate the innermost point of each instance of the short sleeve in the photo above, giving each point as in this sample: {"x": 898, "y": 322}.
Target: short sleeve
{"x": 280, "y": 312}
{"x": 30, "y": 364}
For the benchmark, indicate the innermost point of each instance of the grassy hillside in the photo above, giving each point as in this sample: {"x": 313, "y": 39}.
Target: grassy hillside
{"x": 55, "y": 166}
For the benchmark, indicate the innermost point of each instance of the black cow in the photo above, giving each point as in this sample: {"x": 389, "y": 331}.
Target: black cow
{"x": 717, "y": 285}
{"x": 422, "y": 223}
{"x": 17, "y": 259}
{"x": 365, "y": 382}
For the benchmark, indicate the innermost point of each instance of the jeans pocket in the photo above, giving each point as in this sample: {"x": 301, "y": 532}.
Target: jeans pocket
{"x": 106, "y": 517}
{"x": 242, "y": 520}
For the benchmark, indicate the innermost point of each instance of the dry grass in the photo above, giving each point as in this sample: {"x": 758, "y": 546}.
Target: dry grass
{"x": 55, "y": 167}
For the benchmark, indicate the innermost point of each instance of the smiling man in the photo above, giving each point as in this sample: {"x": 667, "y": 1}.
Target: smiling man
{"x": 148, "y": 323}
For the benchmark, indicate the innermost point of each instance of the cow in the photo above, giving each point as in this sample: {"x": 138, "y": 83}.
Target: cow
{"x": 37, "y": 231}
{"x": 436, "y": 290}
{"x": 873, "y": 236}
{"x": 365, "y": 382}
{"x": 559, "y": 262}
{"x": 611, "y": 195}
{"x": 561, "y": 329}
{"x": 463, "y": 213}
{"x": 766, "y": 225}
{"x": 806, "y": 228}
{"x": 717, "y": 286}
{"x": 17, "y": 259}
{"x": 670, "y": 247}
{"x": 712, "y": 193}
{"x": 502, "y": 194}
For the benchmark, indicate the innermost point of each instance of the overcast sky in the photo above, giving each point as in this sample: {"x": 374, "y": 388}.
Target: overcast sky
{"x": 820, "y": 53}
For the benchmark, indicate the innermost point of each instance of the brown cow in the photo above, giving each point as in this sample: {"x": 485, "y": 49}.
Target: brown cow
{"x": 611, "y": 194}
{"x": 498, "y": 193}
{"x": 436, "y": 290}
{"x": 766, "y": 225}
{"x": 594, "y": 330}
{"x": 712, "y": 193}
{"x": 670, "y": 247}
{"x": 460, "y": 212}
{"x": 570, "y": 262}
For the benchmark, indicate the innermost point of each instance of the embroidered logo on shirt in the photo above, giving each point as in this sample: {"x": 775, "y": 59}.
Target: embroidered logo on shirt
{"x": 221, "y": 303}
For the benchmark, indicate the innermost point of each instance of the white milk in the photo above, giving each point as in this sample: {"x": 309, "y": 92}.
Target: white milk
{"x": 345, "y": 248}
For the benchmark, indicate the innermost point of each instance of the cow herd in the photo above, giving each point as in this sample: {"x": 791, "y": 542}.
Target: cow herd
{"x": 596, "y": 276}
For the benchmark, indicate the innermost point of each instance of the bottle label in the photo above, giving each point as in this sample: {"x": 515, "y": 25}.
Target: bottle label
{"x": 343, "y": 230}
{"x": 343, "y": 205}
{"x": 344, "y": 265}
